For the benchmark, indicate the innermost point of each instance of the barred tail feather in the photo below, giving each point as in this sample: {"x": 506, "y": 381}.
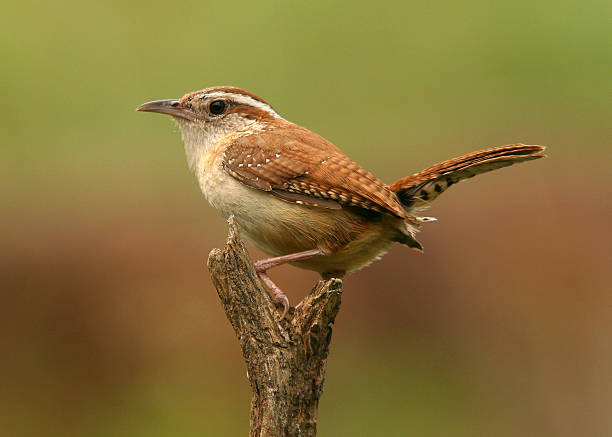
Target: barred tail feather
{"x": 417, "y": 191}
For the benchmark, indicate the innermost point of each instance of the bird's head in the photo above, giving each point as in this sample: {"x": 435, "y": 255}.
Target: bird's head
{"x": 207, "y": 116}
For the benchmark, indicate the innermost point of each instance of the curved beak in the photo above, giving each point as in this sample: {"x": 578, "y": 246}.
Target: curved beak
{"x": 171, "y": 107}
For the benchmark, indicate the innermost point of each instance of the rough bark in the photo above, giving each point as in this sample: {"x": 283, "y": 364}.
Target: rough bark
{"x": 285, "y": 359}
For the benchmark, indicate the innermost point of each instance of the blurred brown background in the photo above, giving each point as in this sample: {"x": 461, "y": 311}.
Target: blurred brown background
{"x": 109, "y": 325}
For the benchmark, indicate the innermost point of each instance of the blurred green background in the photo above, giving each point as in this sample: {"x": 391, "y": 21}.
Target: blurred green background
{"x": 109, "y": 325}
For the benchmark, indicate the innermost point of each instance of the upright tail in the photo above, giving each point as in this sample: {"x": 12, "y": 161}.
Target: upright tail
{"x": 417, "y": 191}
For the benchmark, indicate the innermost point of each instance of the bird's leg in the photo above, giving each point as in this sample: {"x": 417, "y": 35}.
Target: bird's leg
{"x": 262, "y": 266}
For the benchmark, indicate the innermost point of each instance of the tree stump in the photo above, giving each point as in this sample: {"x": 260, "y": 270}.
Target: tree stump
{"x": 285, "y": 359}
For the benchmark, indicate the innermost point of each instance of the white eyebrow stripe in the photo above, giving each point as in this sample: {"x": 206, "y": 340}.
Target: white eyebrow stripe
{"x": 244, "y": 100}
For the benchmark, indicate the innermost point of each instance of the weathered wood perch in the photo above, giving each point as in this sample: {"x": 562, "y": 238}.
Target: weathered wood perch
{"x": 285, "y": 359}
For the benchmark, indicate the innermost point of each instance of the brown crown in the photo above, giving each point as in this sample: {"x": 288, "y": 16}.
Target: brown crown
{"x": 224, "y": 89}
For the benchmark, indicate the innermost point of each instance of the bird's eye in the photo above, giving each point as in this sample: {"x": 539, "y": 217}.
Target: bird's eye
{"x": 217, "y": 107}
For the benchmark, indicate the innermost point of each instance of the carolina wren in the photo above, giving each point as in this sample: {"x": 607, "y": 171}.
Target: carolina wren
{"x": 296, "y": 196}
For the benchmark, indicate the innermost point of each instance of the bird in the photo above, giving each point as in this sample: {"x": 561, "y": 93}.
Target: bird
{"x": 298, "y": 197}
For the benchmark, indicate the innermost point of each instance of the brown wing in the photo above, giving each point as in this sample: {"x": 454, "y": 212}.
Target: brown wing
{"x": 299, "y": 166}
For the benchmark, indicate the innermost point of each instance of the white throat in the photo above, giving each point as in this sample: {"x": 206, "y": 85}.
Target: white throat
{"x": 201, "y": 138}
